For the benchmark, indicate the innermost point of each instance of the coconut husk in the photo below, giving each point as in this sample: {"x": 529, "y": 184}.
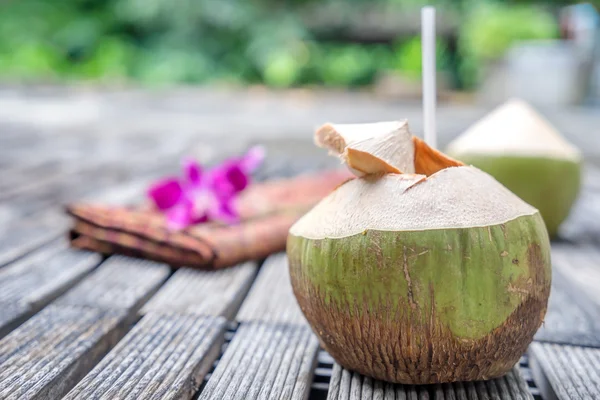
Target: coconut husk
{"x": 437, "y": 274}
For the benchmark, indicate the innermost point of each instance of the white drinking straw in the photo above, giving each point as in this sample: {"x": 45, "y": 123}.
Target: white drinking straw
{"x": 428, "y": 58}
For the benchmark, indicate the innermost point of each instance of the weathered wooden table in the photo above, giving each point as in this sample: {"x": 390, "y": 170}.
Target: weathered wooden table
{"x": 76, "y": 326}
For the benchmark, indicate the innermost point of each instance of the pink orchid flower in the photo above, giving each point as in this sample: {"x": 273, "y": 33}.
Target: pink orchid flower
{"x": 201, "y": 196}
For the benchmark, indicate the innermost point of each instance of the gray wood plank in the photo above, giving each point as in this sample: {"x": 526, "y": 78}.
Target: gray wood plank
{"x": 119, "y": 283}
{"x": 84, "y": 174}
{"x": 591, "y": 177}
{"x": 581, "y": 226}
{"x": 571, "y": 317}
{"x": 53, "y": 350}
{"x": 163, "y": 357}
{"x": 217, "y": 293}
{"x": 21, "y": 175}
{"x": 22, "y": 236}
{"x": 34, "y": 281}
{"x": 12, "y": 315}
{"x": 48, "y": 354}
{"x": 130, "y": 192}
{"x": 29, "y": 223}
{"x": 271, "y": 297}
{"x": 41, "y": 276}
{"x": 348, "y": 385}
{"x": 581, "y": 266}
{"x": 566, "y": 372}
{"x": 110, "y": 192}
{"x": 265, "y": 361}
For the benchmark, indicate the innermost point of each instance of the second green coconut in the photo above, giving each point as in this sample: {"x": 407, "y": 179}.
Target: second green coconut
{"x": 519, "y": 148}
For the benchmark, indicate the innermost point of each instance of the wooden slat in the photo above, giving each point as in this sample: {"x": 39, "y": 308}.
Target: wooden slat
{"x": 581, "y": 226}
{"x": 163, "y": 357}
{"x": 131, "y": 192}
{"x": 30, "y": 221}
{"x": 27, "y": 174}
{"x": 581, "y": 266}
{"x": 571, "y": 317}
{"x": 265, "y": 361}
{"x": 34, "y": 281}
{"x": 44, "y": 272}
{"x": 119, "y": 283}
{"x": 22, "y": 236}
{"x": 49, "y": 353}
{"x": 566, "y": 372}
{"x": 347, "y": 385}
{"x": 11, "y": 316}
{"x": 217, "y": 293}
{"x": 271, "y": 297}
{"x": 91, "y": 190}
{"x": 591, "y": 177}
{"x": 88, "y": 173}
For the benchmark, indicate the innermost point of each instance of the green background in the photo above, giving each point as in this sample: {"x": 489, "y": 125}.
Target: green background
{"x": 278, "y": 43}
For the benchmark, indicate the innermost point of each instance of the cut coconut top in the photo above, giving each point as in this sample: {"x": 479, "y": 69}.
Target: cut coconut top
{"x": 370, "y": 148}
{"x": 441, "y": 193}
{"x": 380, "y": 148}
{"x": 455, "y": 197}
{"x": 514, "y": 128}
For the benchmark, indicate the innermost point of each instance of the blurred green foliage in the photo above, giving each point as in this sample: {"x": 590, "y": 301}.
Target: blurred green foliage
{"x": 408, "y": 58}
{"x": 239, "y": 41}
{"x": 490, "y": 30}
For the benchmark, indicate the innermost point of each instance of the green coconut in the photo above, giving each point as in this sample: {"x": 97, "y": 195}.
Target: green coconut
{"x": 519, "y": 148}
{"x": 437, "y": 275}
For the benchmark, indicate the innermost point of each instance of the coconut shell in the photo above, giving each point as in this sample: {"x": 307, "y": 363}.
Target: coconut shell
{"x": 423, "y": 278}
{"x": 422, "y": 307}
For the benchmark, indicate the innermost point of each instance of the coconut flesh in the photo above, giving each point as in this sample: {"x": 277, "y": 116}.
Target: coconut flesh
{"x": 519, "y": 148}
{"x": 437, "y": 275}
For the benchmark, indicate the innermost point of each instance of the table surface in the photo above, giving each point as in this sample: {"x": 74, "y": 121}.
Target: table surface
{"x": 74, "y": 325}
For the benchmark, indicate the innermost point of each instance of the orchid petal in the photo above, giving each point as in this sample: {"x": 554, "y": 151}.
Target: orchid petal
{"x": 200, "y": 219}
{"x": 204, "y": 196}
{"x": 180, "y": 216}
{"x": 252, "y": 159}
{"x": 225, "y": 212}
{"x": 203, "y": 201}
{"x": 166, "y": 193}
{"x": 237, "y": 177}
{"x": 192, "y": 172}
{"x": 227, "y": 180}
